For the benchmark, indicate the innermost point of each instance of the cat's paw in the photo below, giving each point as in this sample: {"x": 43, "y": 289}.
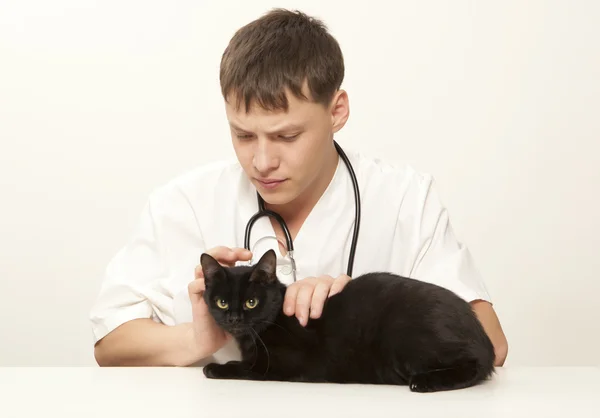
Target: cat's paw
{"x": 211, "y": 370}
{"x": 230, "y": 370}
{"x": 419, "y": 383}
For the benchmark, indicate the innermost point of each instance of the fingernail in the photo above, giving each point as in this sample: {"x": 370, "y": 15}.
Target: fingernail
{"x": 288, "y": 310}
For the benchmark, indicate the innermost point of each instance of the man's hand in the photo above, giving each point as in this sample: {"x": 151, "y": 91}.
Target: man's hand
{"x": 491, "y": 324}
{"x": 208, "y": 337}
{"x": 226, "y": 257}
{"x": 309, "y": 295}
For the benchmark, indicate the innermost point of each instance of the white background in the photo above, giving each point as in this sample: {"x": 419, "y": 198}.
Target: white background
{"x": 101, "y": 102}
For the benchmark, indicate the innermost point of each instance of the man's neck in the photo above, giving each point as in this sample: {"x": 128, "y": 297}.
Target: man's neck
{"x": 294, "y": 213}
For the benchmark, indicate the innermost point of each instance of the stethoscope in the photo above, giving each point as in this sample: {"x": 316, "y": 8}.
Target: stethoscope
{"x": 290, "y": 245}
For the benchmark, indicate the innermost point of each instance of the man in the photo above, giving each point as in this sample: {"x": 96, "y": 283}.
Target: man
{"x": 280, "y": 77}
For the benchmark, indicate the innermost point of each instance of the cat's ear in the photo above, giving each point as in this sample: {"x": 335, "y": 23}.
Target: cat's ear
{"x": 210, "y": 267}
{"x": 264, "y": 270}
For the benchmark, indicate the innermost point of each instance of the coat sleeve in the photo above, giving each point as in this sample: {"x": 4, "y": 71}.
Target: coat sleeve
{"x": 155, "y": 264}
{"x": 441, "y": 258}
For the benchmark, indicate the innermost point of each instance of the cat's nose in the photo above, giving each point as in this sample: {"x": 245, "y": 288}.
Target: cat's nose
{"x": 233, "y": 320}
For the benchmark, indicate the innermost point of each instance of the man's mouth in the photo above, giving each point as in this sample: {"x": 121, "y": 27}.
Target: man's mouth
{"x": 270, "y": 183}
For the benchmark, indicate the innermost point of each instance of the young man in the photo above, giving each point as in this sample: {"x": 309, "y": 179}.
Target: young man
{"x": 280, "y": 77}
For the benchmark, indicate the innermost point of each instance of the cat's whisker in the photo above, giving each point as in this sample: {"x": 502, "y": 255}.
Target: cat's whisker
{"x": 263, "y": 343}
{"x": 248, "y": 327}
{"x": 277, "y": 325}
{"x": 255, "y": 350}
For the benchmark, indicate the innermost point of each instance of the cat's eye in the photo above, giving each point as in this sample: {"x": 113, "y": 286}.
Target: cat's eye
{"x": 222, "y": 304}
{"x": 251, "y": 303}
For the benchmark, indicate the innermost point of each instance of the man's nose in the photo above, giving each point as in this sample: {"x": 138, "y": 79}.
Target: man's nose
{"x": 265, "y": 159}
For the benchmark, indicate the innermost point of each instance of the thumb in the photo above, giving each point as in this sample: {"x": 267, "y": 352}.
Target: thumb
{"x": 196, "y": 295}
{"x": 242, "y": 254}
{"x": 223, "y": 255}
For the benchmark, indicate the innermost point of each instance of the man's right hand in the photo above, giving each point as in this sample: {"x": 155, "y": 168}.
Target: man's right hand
{"x": 208, "y": 337}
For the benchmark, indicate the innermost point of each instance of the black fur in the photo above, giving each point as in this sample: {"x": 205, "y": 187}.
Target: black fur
{"x": 381, "y": 329}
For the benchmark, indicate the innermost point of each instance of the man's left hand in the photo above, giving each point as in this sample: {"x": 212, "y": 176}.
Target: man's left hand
{"x": 309, "y": 295}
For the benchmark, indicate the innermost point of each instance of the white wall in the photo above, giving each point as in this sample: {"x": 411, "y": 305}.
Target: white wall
{"x": 100, "y": 102}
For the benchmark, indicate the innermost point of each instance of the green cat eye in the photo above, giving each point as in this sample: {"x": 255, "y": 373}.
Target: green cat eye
{"x": 251, "y": 303}
{"x": 222, "y": 304}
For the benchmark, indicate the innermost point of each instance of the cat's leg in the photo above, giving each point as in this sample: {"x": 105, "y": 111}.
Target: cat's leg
{"x": 231, "y": 370}
{"x": 457, "y": 376}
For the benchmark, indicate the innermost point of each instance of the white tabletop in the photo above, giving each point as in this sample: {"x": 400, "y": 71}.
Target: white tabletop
{"x": 185, "y": 392}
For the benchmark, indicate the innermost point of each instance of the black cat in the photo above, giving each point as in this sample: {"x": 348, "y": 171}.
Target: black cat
{"x": 381, "y": 329}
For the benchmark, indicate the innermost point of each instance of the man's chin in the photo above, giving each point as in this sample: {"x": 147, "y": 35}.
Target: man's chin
{"x": 276, "y": 199}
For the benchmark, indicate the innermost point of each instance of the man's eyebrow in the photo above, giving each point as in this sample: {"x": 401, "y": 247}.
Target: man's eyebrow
{"x": 286, "y": 128}
{"x": 283, "y": 128}
{"x": 237, "y": 128}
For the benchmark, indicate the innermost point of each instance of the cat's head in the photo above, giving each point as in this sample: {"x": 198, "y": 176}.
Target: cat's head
{"x": 243, "y": 297}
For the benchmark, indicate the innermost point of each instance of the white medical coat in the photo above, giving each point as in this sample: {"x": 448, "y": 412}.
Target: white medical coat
{"x": 404, "y": 229}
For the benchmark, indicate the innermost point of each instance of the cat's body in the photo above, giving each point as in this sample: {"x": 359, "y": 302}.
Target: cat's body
{"x": 381, "y": 329}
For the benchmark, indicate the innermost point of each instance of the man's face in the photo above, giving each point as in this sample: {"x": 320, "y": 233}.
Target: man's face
{"x": 284, "y": 153}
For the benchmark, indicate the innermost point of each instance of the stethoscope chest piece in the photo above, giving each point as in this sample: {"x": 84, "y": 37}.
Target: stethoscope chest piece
{"x": 285, "y": 269}
{"x": 286, "y": 265}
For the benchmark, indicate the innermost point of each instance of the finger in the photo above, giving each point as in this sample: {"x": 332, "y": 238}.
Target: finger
{"x": 199, "y": 273}
{"x": 196, "y": 286}
{"x": 242, "y": 254}
{"x": 303, "y": 302}
{"x": 229, "y": 256}
{"x": 318, "y": 299}
{"x": 218, "y": 252}
{"x": 233, "y": 255}
{"x": 199, "y": 306}
{"x": 289, "y": 301}
{"x": 224, "y": 255}
{"x": 339, "y": 284}
{"x": 196, "y": 294}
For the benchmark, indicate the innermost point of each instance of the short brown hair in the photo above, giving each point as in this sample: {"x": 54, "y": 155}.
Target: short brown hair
{"x": 282, "y": 49}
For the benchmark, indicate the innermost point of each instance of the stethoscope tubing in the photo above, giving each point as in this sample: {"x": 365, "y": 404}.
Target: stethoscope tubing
{"x": 289, "y": 242}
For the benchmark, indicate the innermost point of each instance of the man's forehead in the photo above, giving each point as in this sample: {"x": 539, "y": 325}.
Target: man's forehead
{"x": 256, "y": 110}
{"x": 270, "y": 96}
{"x": 257, "y": 117}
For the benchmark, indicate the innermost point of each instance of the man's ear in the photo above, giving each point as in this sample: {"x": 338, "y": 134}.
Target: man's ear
{"x": 264, "y": 270}
{"x": 340, "y": 110}
{"x": 210, "y": 267}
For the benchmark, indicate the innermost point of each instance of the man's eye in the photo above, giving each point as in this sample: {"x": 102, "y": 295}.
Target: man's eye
{"x": 289, "y": 137}
{"x": 244, "y": 136}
